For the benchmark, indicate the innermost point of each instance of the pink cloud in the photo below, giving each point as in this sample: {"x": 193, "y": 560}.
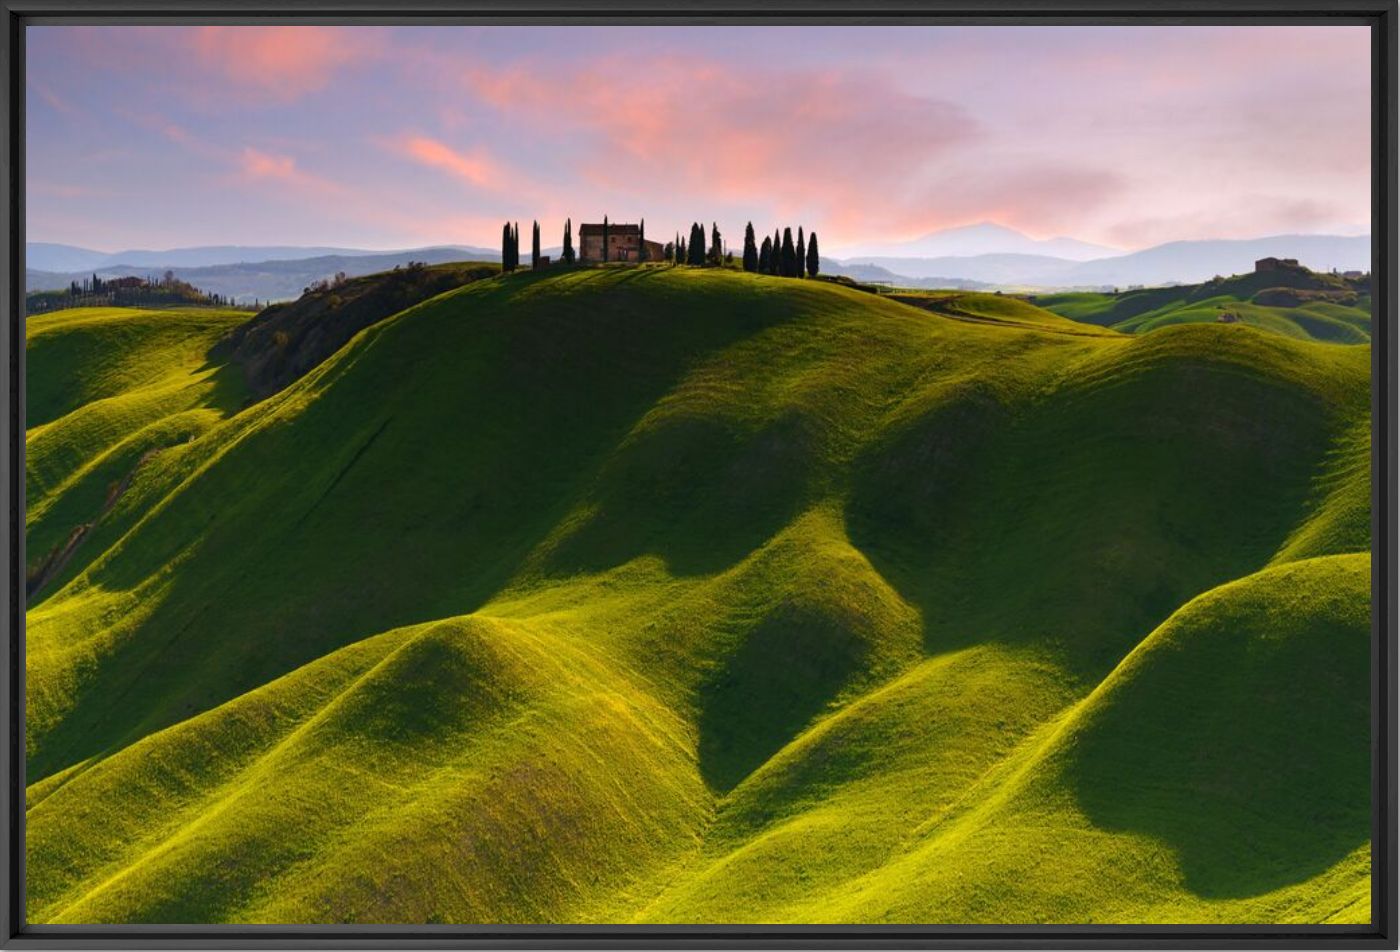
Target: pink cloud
{"x": 262, "y": 165}
{"x": 800, "y": 141}
{"x": 255, "y": 166}
{"x": 279, "y": 63}
{"x": 1042, "y": 197}
{"x": 476, "y": 167}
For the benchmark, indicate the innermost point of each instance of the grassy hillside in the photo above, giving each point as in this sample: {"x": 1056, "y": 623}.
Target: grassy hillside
{"x": 143, "y": 385}
{"x": 1295, "y": 302}
{"x": 663, "y": 594}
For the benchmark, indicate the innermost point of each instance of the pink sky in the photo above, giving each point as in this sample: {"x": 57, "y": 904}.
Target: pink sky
{"x": 398, "y": 137}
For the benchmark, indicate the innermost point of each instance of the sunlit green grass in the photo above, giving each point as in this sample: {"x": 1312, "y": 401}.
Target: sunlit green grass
{"x": 1138, "y": 311}
{"x": 650, "y": 594}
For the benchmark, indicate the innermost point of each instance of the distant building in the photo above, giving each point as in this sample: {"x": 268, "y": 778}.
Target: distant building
{"x": 544, "y": 261}
{"x": 127, "y": 282}
{"x": 624, "y": 243}
{"x": 1274, "y": 264}
{"x": 1353, "y": 274}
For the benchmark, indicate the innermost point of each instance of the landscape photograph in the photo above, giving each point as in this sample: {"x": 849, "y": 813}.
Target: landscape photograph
{"x": 697, "y": 474}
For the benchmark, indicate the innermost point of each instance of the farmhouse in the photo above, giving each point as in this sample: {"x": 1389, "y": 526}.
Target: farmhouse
{"x": 1274, "y": 264}
{"x": 624, "y": 243}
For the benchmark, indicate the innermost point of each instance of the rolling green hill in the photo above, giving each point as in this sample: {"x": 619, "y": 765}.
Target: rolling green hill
{"x": 680, "y": 595}
{"x": 1295, "y": 302}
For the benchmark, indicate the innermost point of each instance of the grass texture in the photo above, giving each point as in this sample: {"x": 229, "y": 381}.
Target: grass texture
{"x": 647, "y": 594}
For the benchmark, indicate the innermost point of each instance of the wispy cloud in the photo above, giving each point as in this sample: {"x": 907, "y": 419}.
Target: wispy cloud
{"x": 476, "y": 167}
{"x": 1121, "y": 135}
{"x": 279, "y": 63}
{"x": 840, "y": 141}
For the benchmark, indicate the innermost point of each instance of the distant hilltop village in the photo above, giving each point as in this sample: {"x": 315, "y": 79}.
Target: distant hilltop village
{"x": 606, "y": 242}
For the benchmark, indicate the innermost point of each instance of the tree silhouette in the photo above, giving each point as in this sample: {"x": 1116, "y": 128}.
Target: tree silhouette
{"x": 695, "y": 247}
{"x": 765, "y": 256}
{"x": 788, "y": 263}
{"x": 535, "y": 247}
{"x": 568, "y": 253}
{"x": 814, "y": 263}
{"x": 505, "y": 247}
{"x": 750, "y": 250}
{"x": 801, "y": 252}
{"x": 642, "y": 241}
{"x": 605, "y": 238}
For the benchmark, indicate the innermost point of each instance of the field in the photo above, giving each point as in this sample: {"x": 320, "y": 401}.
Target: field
{"x": 683, "y": 595}
{"x": 1294, "y": 302}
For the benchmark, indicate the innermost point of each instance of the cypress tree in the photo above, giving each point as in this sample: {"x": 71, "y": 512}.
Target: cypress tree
{"x": 716, "y": 245}
{"x": 788, "y": 263}
{"x": 642, "y": 241}
{"x": 814, "y": 263}
{"x": 505, "y": 247}
{"x": 568, "y": 253}
{"x": 695, "y": 247}
{"x": 605, "y": 238}
{"x": 777, "y": 260}
{"x": 801, "y": 253}
{"x": 535, "y": 248}
{"x": 750, "y": 251}
{"x": 765, "y": 256}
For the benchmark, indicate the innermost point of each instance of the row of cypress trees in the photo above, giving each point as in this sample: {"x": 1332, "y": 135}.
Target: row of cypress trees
{"x": 693, "y": 250}
{"x": 510, "y": 246}
{"x": 779, "y": 255}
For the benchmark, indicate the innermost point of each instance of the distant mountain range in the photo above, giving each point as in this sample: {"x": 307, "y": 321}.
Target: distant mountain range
{"x": 264, "y": 279}
{"x": 46, "y": 256}
{"x": 985, "y": 238}
{"x": 985, "y": 256}
{"x": 1183, "y": 262}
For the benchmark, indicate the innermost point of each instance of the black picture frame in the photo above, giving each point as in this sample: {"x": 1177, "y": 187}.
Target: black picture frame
{"x": 1379, "y": 15}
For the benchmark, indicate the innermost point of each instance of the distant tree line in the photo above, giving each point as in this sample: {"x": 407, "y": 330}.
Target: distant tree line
{"x": 130, "y": 291}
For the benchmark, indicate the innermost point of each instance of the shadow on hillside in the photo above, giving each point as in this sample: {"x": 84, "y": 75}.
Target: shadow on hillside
{"x": 1244, "y": 748}
{"x": 696, "y": 490}
{"x": 784, "y": 673}
{"x": 1082, "y": 519}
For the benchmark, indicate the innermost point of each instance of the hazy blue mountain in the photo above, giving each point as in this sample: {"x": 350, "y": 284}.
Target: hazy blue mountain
{"x": 1190, "y": 262}
{"x": 270, "y": 280}
{"x": 984, "y": 238}
{"x": 875, "y": 274}
{"x": 999, "y": 269}
{"x": 46, "y": 256}
{"x": 1185, "y": 262}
